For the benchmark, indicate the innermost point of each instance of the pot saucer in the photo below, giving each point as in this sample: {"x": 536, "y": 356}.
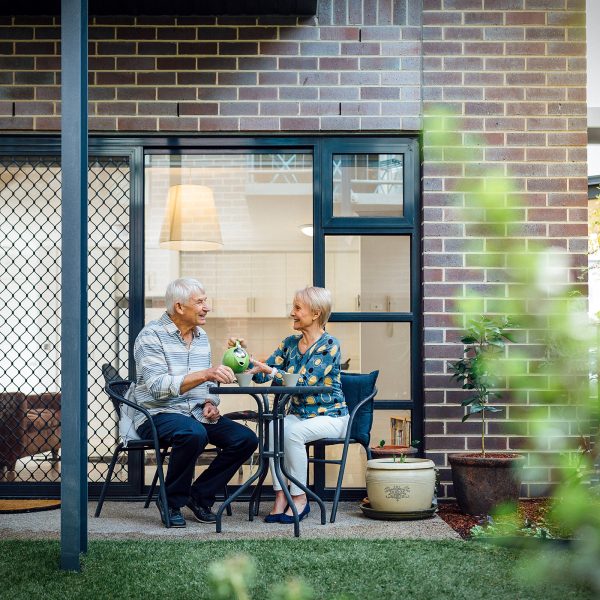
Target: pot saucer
{"x": 396, "y": 516}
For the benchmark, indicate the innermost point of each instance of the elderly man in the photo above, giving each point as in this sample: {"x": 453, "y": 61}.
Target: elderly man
{"x": 174, "y": 370}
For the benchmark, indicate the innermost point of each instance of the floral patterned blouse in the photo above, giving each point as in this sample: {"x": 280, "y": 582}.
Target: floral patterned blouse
{"x": 319, "y": 365}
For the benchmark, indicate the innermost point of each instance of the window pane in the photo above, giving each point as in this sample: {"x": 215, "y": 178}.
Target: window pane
{"x": 251, "y": 257}
{"x": 368, "y": 185}
{"x": 367, "y": 347}
{"x": 354, "y": 475}
{"x": 368, "y": 273}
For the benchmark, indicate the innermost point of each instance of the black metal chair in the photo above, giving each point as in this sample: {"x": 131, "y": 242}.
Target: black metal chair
{"x": 360, "y": 391}
{"x": 116, "y": 388}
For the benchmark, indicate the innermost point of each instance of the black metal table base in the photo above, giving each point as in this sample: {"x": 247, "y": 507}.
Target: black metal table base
{"x": 265, "y": 417}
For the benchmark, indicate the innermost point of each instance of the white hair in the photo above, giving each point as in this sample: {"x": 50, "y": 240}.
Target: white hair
{"x": 181, "y": 291}
{"x": 317, "y": 299}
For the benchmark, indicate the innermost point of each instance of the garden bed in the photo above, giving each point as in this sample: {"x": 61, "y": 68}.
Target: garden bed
{"x": 534, "y": 510}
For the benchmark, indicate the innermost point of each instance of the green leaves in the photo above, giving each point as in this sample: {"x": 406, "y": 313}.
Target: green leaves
{"x": 485, "y": 341}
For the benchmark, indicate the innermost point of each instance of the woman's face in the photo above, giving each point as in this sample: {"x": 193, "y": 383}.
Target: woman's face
{"x": 302, "y": 315}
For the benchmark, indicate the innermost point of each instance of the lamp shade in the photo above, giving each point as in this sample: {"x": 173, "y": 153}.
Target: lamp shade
{"x": 191, "y": 222}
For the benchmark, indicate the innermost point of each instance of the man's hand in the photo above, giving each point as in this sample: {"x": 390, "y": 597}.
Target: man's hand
{"x": 210, "y": 411}
{"x": 220, "y": 374}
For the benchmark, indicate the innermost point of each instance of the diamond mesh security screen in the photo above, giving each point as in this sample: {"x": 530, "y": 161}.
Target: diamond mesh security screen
{"x": 30, "y": 298}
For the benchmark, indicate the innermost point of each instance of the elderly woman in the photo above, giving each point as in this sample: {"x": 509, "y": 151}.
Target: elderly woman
{"x": 315, "y": 355}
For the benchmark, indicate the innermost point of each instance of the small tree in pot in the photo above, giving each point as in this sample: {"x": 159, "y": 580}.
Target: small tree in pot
{"x": 483, "y": 480}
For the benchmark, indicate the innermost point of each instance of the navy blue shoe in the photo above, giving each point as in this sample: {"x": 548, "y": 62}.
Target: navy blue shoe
{"x": 290, "y": 518}
{"x": 276, "y": 518}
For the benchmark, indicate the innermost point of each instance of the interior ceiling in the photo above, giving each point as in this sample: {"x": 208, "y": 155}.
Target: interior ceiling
{"x": 172, "y": 7}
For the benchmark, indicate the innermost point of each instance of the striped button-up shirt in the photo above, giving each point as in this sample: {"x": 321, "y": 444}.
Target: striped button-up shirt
{"x": 162, "y": 360}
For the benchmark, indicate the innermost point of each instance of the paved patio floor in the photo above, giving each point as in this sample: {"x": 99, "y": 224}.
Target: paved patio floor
{"x": 129, "y": 520}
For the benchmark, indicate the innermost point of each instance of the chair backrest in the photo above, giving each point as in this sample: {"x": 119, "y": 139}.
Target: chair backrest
{"x": 109, "y": 373}
{"x": 116, "y": 391}
{"x": 357, "y": 387}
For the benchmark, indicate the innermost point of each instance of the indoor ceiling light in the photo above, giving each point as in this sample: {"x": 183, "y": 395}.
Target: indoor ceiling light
{"x": 307, "y": 229}
{"x": 191, "y": 222}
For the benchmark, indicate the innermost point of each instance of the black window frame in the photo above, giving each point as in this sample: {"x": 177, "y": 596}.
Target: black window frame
{"x": 322, "y": 147}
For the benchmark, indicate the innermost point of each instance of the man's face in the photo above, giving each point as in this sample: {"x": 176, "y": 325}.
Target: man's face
{"x": 194, "y": 311}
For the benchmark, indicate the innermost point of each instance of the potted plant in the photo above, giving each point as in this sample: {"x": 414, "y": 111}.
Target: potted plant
{"x": 400, "y": 484}
{"x": 383, "y": 450}
{"x": 483, "y": 479}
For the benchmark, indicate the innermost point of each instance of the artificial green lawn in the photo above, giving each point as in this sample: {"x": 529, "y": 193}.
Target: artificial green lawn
{"x": 350, "y": 569}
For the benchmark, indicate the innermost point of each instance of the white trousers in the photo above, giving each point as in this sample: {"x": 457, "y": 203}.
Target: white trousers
{"x": 297, "y": 432}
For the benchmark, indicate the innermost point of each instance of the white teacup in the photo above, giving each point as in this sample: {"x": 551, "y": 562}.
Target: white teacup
{"x": 291, "y": 379}
{"x": 244, "y": 379}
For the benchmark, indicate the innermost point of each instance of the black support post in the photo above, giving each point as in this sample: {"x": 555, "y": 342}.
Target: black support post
{"x": 74, "y": 161}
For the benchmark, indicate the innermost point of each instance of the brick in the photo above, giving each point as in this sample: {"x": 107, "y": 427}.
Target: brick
{"x": 257, "y": 63}
{"x": 237, "y": 78}
{"x": 279, "y": 78}
{"x": 258, "y": 93}
{"x": 137, "y": 124}
{"x": 299, "y": 124}
{"x": 545, "y": 33}
{"x": 238, "y": 48}
{"x": 197, "y": 78}
{"x": 178, "y": 124}
{"x": 216, "y": 33}
{"x": 257, "y": 33}
{"x": 216, "y": 63}
{"x": 298, "y": 93}
{"x": 176, "y": 63}
{"x": 157, "y": 48}
{"x": 115, "y": 108}
{"x": 136, "y": 33}
{"x": 176, "y": 93}
{"x": 259, "y": 123}
{"x": 238, "y": 108}
{"x": 195, "y": 49}
{"x": 219, "y": 124}
{"x": 176, "y": 33}
{"x": 340, "y": 123}
{"x": 304, "y": 63}
{"x": 155, "y": 78}
{"x": 198, "y": 108}
{"x": 157, "y": 109}
{"x": 339, "y": 64}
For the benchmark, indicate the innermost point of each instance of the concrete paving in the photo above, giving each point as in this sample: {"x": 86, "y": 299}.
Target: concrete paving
{"x": 129, "y": 520}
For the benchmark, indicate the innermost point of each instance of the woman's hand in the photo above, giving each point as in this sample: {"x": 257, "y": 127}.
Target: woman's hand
{"x": 259, "y": 367}
{"x": 232, "y": 341}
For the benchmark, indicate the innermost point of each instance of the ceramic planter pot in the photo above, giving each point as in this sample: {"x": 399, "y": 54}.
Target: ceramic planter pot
{"x": 481, "y": 483}
{"x": 400, "y": 487}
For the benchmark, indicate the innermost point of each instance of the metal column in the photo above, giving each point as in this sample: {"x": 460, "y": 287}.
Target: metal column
{"x": 74, "y": 149}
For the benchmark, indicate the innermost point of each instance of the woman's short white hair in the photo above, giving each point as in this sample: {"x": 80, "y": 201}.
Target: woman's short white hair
{"x": 317, "y": 299}
{"x": 181, "y": 290}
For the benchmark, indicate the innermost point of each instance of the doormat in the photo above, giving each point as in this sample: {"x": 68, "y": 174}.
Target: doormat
{"x": 15, "y": 505}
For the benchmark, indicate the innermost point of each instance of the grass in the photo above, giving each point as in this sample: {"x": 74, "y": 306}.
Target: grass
{"x": 349, "y": 569}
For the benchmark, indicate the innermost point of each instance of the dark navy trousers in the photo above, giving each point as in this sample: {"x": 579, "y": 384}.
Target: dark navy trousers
{"x": 188, "y": 438}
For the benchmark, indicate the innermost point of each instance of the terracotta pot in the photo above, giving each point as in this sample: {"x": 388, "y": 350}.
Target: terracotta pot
{"x": 391, "y": 451}
{"x": 481, "y": 483}
{"x": 400, "y": 487}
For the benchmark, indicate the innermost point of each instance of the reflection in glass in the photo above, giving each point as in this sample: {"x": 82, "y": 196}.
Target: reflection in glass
{"x": 385, "y": 347}
{"x": 368, "y": 273}
{"x": 368, "y": 185}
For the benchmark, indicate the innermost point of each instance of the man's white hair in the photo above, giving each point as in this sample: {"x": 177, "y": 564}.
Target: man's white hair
{"x": 181, "y": 290}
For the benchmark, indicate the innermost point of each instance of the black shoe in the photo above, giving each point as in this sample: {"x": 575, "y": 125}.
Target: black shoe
{"x": 175, "y": 516}
{"x": 203, "y": 514}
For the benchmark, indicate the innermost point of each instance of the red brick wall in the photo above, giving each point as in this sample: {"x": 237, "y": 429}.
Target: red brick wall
{"x": 514, "y": 70}
{"x": 515, "y": 73}
{"x": 354, "y": 67}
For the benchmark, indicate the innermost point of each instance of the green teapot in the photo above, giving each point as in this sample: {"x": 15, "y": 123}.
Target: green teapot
{"x": 236, "y": 358}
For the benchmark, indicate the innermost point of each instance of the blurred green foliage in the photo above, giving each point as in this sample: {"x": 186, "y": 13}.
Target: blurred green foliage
{"x": 552, "y": 368}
